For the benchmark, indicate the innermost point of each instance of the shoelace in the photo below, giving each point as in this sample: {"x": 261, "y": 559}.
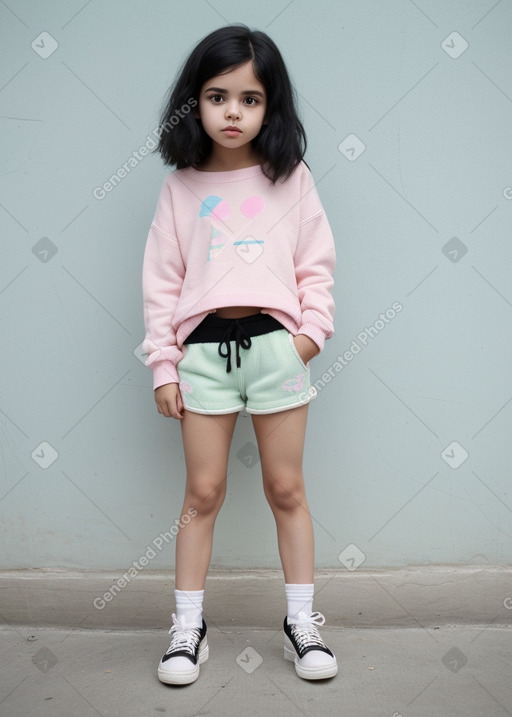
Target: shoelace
{"x": 184, "y": 637}
{"x": 305, "y": 631}
{"x": 241, "y": 340}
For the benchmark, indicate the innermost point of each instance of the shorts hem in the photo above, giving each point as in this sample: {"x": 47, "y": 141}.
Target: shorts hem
{"x": 215, "y": 411}
{"x": 276, "y": 409}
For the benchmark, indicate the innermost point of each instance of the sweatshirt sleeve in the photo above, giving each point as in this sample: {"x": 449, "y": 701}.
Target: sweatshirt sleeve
{"x": 315, "y": 262}
{"x": 162, "y": 278}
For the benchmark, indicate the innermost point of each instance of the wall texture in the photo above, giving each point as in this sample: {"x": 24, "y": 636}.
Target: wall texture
{"x": 408, "y": 108}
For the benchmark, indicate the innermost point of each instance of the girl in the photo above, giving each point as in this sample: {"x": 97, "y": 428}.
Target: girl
{"x": 237, "y": 283}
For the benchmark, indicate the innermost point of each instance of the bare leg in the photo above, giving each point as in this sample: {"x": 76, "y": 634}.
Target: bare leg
{"x": 206, "y": 441}
{"x": 281, "y": 444}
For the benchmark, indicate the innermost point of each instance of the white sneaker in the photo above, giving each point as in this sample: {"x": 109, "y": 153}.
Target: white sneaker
{"x": 188, "y": 649}
{"x": 303, "y": 644}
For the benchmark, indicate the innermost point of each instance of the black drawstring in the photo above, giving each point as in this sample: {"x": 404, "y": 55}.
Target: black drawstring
{"x": 241, "y": 340}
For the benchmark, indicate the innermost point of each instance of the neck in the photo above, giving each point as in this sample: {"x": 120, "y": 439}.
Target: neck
{"x": 222, "y": 159}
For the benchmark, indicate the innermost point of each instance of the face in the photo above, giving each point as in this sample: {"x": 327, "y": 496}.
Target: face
{"x": 233, "y": 100}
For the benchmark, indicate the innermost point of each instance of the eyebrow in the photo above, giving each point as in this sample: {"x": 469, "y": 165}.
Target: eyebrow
{"x": 244, "y": 92}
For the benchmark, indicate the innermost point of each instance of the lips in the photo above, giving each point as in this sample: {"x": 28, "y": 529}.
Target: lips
{"x": 232, "y": 129}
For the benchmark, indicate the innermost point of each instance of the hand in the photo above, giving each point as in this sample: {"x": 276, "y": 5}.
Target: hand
{"x": 306, "y": 347}
{"x": 169, "y": 401}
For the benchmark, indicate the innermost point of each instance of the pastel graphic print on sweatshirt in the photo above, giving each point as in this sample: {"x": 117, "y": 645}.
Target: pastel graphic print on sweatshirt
{"x": 219, "y": 211}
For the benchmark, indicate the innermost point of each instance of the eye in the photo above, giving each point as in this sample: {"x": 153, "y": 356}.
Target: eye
{"x": 216, "y": 99}
{"x": 251, "y": 101}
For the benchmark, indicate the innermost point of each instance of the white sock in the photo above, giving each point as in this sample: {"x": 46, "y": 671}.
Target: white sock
{"x": 189, "y": 605}
{"x": 299, "y": 598}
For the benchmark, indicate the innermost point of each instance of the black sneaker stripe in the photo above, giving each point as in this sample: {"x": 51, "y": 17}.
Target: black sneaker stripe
{"x": 302, "y": 651}
{"x": 182, "y": 652}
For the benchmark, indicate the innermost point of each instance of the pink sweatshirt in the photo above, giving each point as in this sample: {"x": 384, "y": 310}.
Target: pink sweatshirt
{"x": 233, "y": 239}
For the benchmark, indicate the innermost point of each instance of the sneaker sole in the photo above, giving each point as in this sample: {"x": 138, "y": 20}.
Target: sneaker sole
{"x": 169, "y": 677}
{"x": 310, "y": 673}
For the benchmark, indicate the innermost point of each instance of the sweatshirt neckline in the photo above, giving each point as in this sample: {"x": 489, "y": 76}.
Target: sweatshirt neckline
{"x": 233, "y": 175}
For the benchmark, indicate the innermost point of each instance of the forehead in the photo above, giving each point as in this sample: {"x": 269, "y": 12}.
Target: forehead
{"x": 239, "y": 79}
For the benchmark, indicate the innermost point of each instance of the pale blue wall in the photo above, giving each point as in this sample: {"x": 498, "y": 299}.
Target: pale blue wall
{"x": 435, "y": 176}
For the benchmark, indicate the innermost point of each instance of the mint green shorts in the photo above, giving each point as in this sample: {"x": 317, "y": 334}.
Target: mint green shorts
{"x": 272, "y": 377}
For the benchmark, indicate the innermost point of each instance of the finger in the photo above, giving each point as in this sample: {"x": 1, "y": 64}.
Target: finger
{"x": 177, "y": 411}
{"x": 180, "y": 405}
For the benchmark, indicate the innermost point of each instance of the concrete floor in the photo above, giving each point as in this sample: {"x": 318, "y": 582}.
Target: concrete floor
{"x": 391, "y": 672}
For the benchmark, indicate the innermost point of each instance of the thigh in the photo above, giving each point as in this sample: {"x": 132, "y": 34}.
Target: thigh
{"x": 206, "y": 442}
{"x": 281, "y": 439}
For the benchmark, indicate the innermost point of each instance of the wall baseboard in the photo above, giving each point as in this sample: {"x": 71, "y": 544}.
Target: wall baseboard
{"x": 400, "y": 597}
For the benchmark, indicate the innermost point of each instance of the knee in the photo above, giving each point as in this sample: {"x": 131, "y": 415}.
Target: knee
{"x": 285, "y": 493}
{"x": 206, "y": 495}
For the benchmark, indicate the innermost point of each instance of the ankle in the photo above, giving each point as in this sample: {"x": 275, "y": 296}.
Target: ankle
{"x": 189, "y": 606}
{"x": 299, "y": 598}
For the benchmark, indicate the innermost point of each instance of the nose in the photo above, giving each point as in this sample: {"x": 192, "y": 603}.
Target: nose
{"x": 233, "y": 110}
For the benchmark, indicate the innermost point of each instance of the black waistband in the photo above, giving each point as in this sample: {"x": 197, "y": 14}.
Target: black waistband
{"x": 213, "y": 329}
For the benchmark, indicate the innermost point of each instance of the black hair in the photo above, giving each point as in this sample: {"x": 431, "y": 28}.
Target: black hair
{"x": 281, "y": 143}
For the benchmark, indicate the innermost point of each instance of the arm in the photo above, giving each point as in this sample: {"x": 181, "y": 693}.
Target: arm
{"x": 162, "y": 279}
{"x": 315, "y": 262}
